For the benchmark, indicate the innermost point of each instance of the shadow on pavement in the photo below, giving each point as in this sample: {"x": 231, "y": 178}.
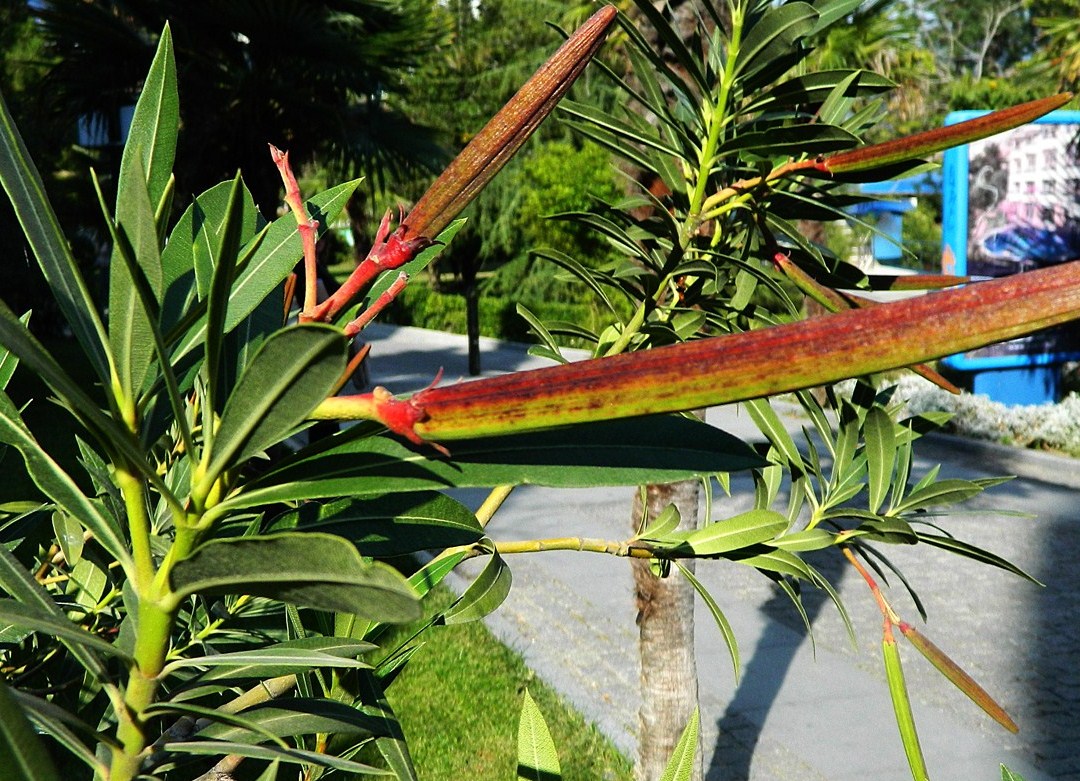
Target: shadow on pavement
{"x": 763, "y": 673}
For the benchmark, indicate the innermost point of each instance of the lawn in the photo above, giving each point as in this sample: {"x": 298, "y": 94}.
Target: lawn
{"x": 459, "y": 701}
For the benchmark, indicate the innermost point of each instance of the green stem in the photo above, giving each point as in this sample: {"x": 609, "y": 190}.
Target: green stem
{"x": 716, "y": 119}
{"x": 134, "y": 493}
{"x": 494, "y": 501}
{"x": 633, "y": 327}
{"x": 156, "y": 614}
{"x": 151, "y": 646}
{"x": 585, "y": 544}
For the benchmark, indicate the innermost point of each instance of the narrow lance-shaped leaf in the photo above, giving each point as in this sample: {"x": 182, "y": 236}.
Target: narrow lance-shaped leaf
{"x": 155, "y": 124}
{"x": 145, "y": 170}
{"x": 43, "y": 621}
{"x": 25, "y": 758}
{"x": 681, "y": 765}
{"x": 664, "y": 448}
{"x": 537, "y": 758}
{"x": 56, "y": 484}
{"x": 880, "y": 455}
{"x": 933, "y": 141}
{"x": 16, "y": 581}
{"x": 292, "y": 371}
{"x": 484, "y": 595}
{"x": 224, "y": 258}
{"x": 273, "y": 254}
{"x": 741, "y": 366}
{"x": 722, "y": 623}
{"x": 905, "y": 720}
{"x": 313, "y": 570}
{"x": 22, "y": 182}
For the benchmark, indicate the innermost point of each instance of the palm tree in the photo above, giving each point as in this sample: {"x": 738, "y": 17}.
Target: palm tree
{"x": 317, "y": 78}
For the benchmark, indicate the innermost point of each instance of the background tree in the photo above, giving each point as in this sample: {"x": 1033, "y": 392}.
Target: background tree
{"x": 320, "y": 79}
{"x": 487, "y": 49}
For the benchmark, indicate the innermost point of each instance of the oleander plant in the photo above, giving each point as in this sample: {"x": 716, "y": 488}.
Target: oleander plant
{"x": 200, "y": 594}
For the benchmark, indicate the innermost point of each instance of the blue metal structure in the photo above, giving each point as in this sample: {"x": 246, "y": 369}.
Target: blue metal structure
{"x": 1025, "y": 203}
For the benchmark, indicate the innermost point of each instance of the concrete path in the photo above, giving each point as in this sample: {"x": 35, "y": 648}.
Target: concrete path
{"x": 804, "y": 710}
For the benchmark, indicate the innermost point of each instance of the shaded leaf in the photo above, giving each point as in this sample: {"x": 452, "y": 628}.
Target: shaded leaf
{"x": 657, "y": 449}
{"x": 224, "y": 257}
{"x": 56, "y": 484}
{"x": 286, "y": 718}
{"x": 389, "y": 525}
{"x": 775, "y": 33}
{"x": 25, "y": 758}
{"x": 22, "y": 182}
{"x": 295, "y": 756}
{"x": 45, "y": 622}
{"x": 17, "y": 582}
{"x": 61, "y": 726}
{"x": 293, "y": 370}
{"x": 313, "y": 570}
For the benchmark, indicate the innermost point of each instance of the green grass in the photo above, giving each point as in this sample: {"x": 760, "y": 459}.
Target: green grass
{"x": 459, "y": 701}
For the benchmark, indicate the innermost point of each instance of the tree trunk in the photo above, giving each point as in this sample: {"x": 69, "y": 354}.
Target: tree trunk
{"x": 472, "y": 326}
{"x": 669, "y": 687}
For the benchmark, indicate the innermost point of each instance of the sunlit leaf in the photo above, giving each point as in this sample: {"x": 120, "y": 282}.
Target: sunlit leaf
{"x": 681, "y": 765}
{"x": 536, "y": 754}
{"x": 483, "y": 595}
{"x": 735, "y": 533}
{"x": 285, "y": 658}
{"x": 905, "y": 720}
{"x": 718, "y": 616}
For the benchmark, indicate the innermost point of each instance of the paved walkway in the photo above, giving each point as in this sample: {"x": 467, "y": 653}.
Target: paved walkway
{"x": 808, "y": 711}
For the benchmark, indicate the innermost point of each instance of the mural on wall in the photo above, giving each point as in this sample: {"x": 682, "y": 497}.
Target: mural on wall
{"x": 1023, "y": 200}
{"x": 1020, "y": 195}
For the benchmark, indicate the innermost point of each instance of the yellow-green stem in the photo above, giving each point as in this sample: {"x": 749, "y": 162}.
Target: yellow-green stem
{"x": 134, "y": 492}
{"x": 151, "y": 646}
{"x": 494, "y": 501}
{"x": 585, "y": 544}
{"x": 716, "y": 122}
